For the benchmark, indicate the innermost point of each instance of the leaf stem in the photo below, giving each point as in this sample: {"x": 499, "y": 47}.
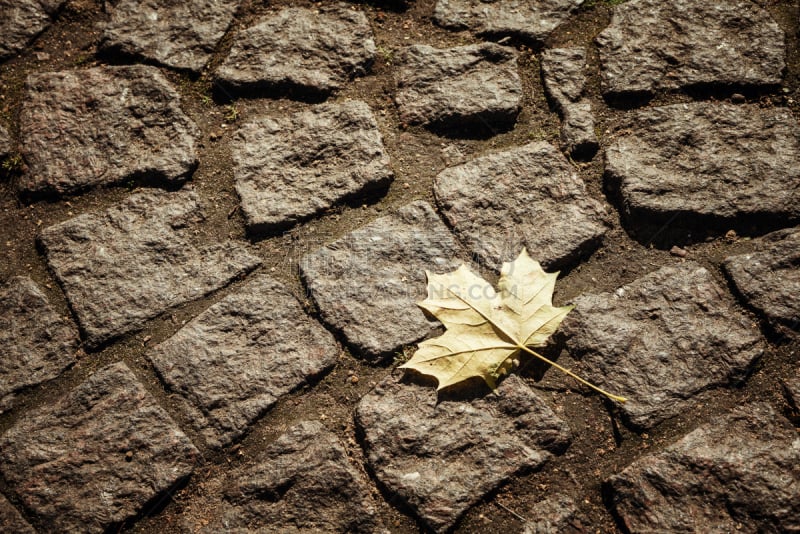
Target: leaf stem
{"x": 616, "y": 398}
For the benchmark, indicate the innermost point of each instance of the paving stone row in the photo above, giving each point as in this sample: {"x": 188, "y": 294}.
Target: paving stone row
{"x": 475, "y": 85}
{"x": 565, "y": 82}
{"x": 652, "y": 45}
{"x": 38, "y": 344}
{"x": 300, "y": 50}
{"x": 527, "y": 196}
{"x": 22, "y": 20}
{"x": 101, "y": 454}
{"x": 181, "y": 35}
{"x": 440, "y": 456}
{"x": 290, "y": 169}
{"x": 302, "y": 482}
{"x": 94, "y": 458}
{"x": 236, "y": 359}
{"x": 102, "y": 258}
{"x": 104, "y": 126}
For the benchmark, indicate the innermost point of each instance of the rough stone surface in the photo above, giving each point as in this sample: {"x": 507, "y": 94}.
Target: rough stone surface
{"x": 792, "y": 389}
{"x": 366, "y": 284}
{"x": 466, "y": 85}
{"x": 181, "y": 35}
{"x": 235, "y": 360}
{"x": 289, "y": 169}
{"x": 565, "y": 81}
{"x": 531, "y": 20}
{"x": 302, "y": 50}
{"x": 736, "y": 474}
{"x": 442, "y": 457}
{"x": 551, "y": 516}
{"x": 11, "y": 521}
{"x": 652, "y": 45}
{"x": 527, "y": 196}
{"x": 21, "y": 21}
{"x": 769, "y": 278}
{"x": 5, "y": 143}
{"x": 578, "y": 135}
{"x": 563, "y": 73}
{"x": 67, "y": 461}
{"x": 705, "y": 162}
{"x": 661, "y": 340}
{"x": 104, "y": 126}
{"x": 127, "y": 264}
{"x": 37, "y": 344}
{"x": 303, "y": 482}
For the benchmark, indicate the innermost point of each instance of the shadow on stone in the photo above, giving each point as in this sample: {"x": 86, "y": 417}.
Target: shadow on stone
{"x": 466, "y": 391}
{"x": 585, "y": 151}
{"x": 225, "y": 93}
{"x": 703, "y": 91}
{"x": 397, "y": 6}
{"x": 114, "y": 55}
{"x": 535, "y": 368}
{"x": 628, "y": 100}
{"x": 139, "y": 180}
{"x": 152, "y": 508}
{"x": 688, "y": 228}
{"x": 708, "y": 91}
{"x": 665, "y": 229}
{"x": 478, "y": 127}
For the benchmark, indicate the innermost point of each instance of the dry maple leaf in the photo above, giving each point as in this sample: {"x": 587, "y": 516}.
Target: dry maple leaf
{"x": 487, "y": 330}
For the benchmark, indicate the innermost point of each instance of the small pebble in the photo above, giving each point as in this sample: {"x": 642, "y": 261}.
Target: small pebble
{"x": 737, "y": 98}
{"x": 678, "y": 251}
{"x": 354, "y": 379}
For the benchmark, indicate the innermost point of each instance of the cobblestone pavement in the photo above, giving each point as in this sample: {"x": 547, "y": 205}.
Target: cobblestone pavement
{"x": 215, "y": 220}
